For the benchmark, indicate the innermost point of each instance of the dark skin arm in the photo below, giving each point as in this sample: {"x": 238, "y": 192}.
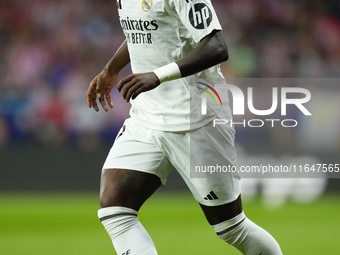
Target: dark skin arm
{"x": 211, "y": 51}
{"x": 102, "y": 84}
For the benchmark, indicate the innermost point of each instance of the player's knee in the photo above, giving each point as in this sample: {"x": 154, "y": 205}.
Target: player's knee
{"x": 108, "y": 199}
{"x": 117, "y": 197}
{"x": 116, "y": 194}
{"x": 128, "y": 188}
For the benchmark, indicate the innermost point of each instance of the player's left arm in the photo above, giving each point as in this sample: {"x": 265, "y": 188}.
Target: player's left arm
{"x": 210, "y": 51}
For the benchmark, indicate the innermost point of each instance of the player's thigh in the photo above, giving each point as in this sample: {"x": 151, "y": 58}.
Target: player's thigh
{"x": 222, "y": 199}
{"x": 128, "y": 188}
{"x": 134, "y": 149}
{"x": 211, "y": 172}
{"x": 218, "y": 191}
{"x": 133, "y": 169}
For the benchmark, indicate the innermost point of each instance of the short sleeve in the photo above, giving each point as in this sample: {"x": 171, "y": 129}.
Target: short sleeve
{"x": 198, "y": 16}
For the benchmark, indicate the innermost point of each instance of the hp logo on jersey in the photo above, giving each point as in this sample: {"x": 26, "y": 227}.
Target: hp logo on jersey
{"x": 200, "y": 15}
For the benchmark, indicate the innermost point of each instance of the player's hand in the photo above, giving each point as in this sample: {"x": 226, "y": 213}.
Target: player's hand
{"x": 101, "y": 87}
{"x": 134, "y": 84}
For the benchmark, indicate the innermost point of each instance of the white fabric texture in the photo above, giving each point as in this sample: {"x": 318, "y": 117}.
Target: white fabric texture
{"x": 157, "y": 152}
{"x": 126, "y": 232}
{"x": 159, "y": 33}
{"x": 168, "y": 72}
{"x": 247, "y": 237}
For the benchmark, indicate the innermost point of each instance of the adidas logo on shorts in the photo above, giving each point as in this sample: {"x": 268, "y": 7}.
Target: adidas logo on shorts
{"x": 211, "y": 196}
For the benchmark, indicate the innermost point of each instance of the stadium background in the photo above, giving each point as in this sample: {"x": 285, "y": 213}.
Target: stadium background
{"x": 52, "y": 146}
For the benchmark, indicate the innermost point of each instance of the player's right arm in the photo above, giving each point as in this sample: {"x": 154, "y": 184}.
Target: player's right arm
{"x": 102, "y": 84}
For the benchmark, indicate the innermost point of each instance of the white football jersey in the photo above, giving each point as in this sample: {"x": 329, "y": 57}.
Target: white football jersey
{"x": 159, "y": 32}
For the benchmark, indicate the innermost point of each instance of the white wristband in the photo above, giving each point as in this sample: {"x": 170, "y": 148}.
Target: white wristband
{"x": 168, "y": 72}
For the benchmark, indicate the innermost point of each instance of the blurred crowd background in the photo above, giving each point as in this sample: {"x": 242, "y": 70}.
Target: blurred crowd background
{"x": 50, "y": 50}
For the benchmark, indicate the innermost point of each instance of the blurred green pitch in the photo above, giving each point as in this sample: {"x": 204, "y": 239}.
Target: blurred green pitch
{"x": 67, "y": 223}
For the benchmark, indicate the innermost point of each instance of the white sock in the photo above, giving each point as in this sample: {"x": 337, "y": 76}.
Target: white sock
{"x": 247, "y": 237}
{"x": 128, "y": 235}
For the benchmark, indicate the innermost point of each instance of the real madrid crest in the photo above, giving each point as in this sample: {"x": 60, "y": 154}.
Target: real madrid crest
{"x": 146, "y": 5}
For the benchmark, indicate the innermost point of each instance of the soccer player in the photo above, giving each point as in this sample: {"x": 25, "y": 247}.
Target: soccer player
{"x": 172, "y": 45}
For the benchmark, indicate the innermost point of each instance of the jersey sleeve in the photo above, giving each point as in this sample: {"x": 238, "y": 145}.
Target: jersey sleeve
{"x": 198, "y": 16}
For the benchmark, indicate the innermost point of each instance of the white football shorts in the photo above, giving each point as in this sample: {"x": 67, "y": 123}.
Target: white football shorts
{"x": 158, "y": 152}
